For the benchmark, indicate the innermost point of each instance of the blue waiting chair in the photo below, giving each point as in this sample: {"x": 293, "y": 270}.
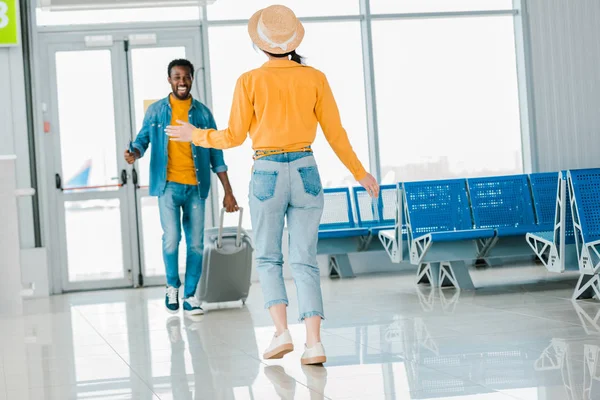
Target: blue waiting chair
{"x": 375, "y": 215}
{"x": 555, "y": 247}
{"x": 440, "y": 231}
{"x": 503, "y": 204}
{"x": 394, "y": 237}
{"x": 584, "y": 189}
{"x": 338, "y": 233}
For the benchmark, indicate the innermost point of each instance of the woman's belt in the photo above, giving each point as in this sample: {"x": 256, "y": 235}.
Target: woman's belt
{"x": 264, "y": 153}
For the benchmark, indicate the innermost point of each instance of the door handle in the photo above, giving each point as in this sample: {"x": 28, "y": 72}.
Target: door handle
{"x": 58, "y": 181}
{"x": 134, "y": 177}
{"x": 123, "y": 177}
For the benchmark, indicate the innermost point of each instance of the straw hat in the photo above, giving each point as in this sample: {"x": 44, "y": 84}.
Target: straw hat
{"x": 276, "y": 30}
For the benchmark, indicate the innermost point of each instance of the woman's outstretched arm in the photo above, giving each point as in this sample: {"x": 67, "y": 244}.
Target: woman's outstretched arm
{"x": 328, "y": 116}
{"x": 240, "y": 117}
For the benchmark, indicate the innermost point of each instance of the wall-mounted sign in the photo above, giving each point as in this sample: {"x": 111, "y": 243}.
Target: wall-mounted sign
{"x": 9, "y": 23}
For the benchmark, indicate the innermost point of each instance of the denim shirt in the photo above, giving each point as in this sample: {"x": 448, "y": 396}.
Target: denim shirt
{"x": 156, "y": 120}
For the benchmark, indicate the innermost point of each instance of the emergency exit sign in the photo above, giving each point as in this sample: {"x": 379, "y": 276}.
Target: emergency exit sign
{"x": 9, "y": 23}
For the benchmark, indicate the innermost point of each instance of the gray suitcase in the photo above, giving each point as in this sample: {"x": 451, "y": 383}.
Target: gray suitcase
{"x": 227, "y": 264}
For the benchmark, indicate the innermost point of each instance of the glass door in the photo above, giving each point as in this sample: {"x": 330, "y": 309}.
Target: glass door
{"x": 90, "y": 175}
{"x": 107, "y": 231}
{"x": 148, "y": 77}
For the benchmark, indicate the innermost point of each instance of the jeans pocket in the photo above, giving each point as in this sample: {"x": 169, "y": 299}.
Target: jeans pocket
{"x": 263, "y": 184}
{"x": 311, "y": 180}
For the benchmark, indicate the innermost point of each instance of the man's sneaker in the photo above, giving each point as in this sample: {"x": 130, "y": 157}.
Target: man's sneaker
{"x": 280, "y": 346}
{"x": 191, "y": 307}
{"x": 172, "y": 299}
{"x": 314, "y": 355}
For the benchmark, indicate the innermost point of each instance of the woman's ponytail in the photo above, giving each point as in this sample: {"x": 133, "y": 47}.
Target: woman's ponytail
{"x": 292, "y": 54}
{"x": 296, "y": 57}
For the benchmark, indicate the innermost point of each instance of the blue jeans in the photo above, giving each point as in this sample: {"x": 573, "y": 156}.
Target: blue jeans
{"x": 171, "y": 203}
{"x": 287, "y": 185}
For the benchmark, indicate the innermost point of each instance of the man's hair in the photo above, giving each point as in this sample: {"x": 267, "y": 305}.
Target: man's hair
{"x": 180, "y": 62}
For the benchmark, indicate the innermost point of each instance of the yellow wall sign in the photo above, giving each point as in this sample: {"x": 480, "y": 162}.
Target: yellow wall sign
{"x": 9, "y": 23}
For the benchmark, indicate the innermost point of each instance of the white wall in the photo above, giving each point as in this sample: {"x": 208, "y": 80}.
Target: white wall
{"x": 13, "y": 132}
{"x": 565, "y": 73}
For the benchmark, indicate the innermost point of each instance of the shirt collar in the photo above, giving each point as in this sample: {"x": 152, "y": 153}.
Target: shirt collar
{"x": 283, "y": 63}
{"x": 167, "y": 100}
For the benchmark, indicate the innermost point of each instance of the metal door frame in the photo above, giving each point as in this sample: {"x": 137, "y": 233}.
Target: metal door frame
{"x": 190, "y": 39}
{"x": 130, "y": 197}
{"x": 54, "y": 143}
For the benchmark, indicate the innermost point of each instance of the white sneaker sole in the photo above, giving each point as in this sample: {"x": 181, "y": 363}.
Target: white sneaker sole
{"x": 314, "y": 360}
{"x": 193, "y": 313}
{"x": 279, "y": 352}
{"x": 171, "y": 311}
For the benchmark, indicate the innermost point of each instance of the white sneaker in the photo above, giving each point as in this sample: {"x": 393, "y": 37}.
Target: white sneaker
{"x": 280, "y": 346}
{"x": 314, "y": 355}
{"x": 172, "y": 300}
{"x": 191, "y": 307}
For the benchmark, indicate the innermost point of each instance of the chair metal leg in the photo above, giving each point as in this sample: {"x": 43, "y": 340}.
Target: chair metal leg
{"x": 456, "y": 274}
{"x": 588, "y": 287}
{"x": 340, "y": 267}
{"x": 428, "y": 273}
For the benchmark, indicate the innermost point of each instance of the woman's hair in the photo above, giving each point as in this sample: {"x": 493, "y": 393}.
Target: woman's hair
{"x": 292, "y": 54}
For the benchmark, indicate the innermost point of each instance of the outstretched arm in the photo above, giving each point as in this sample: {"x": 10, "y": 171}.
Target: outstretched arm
{"x": 234, "y": 135}
{"x": 328, "y": 116}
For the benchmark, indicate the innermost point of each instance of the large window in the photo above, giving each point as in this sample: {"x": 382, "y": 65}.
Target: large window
{"x": 413, "y": 6}
{"x": 344, "y": 69}
{"x": 236, "y": 9}
{"x": 116, "y": 15}
{"x": 447, "y": 97}
{"x": 225, "y": 68}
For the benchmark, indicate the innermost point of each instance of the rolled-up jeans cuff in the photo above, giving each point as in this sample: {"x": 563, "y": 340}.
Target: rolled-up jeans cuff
{"x": 310, "y": 314}
{"x": 275, "y": 302}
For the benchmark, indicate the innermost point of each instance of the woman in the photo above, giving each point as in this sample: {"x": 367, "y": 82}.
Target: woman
{"x": 279, "y": 105}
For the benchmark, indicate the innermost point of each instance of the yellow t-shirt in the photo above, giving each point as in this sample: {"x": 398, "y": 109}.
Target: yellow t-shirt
{"x": 180, "y": 167}
{"x": 280, "y": 105}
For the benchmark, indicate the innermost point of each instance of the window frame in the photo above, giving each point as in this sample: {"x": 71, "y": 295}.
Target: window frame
{"x": 366, "y": 18}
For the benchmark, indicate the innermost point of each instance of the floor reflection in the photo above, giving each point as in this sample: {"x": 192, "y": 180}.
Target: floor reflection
{"x": 383, "y": 341}
{"x": 576, "y": 359}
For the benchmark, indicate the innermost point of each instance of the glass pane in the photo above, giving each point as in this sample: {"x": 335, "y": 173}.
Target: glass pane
{"x": 227, "y": 66}
{"x": 88, "y": 158}
{"x": 150, "y": 14}
{"x": 235, "y": 9}
{"x": 152, "y": 237}
{"x": 225, "y": 69}
{"x": 412, "y": 6}
{"x": 149, "y": 71}
{"x": 447, "y": 98}
{"x": 94, "y": 244}
{"x": 344, "y": 70}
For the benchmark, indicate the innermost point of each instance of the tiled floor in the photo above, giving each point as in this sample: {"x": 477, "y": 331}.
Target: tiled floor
{"x": 385, "y": 339}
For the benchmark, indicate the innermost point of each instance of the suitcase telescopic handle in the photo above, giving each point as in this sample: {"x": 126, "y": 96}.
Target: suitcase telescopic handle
{"x": 238, "y": 239}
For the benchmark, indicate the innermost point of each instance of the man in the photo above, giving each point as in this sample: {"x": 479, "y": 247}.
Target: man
{"x": 180, "y": 177}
